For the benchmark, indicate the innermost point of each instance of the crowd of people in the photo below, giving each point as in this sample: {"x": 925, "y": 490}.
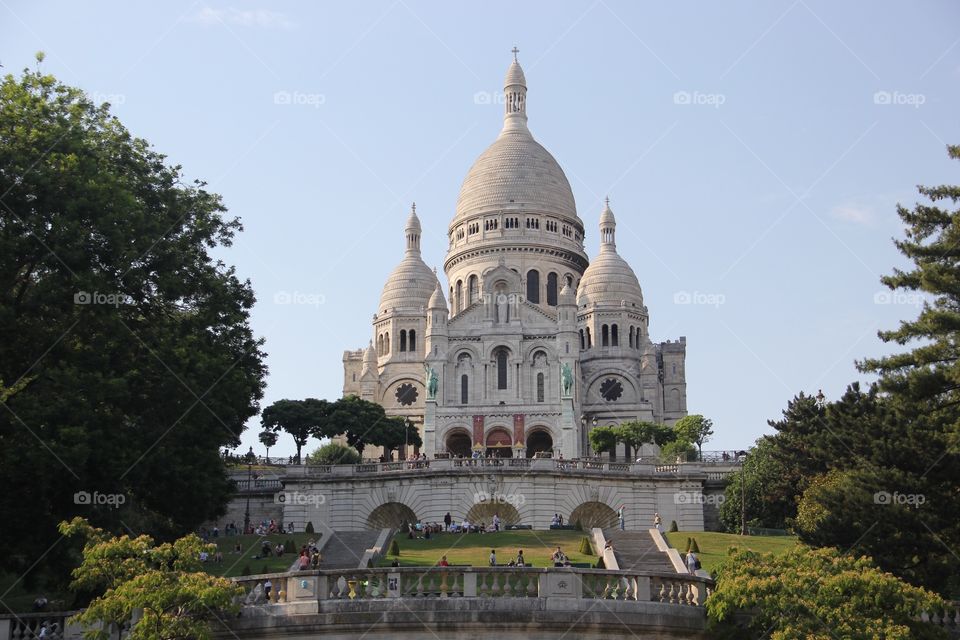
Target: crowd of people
{"x": 427, "y": 530}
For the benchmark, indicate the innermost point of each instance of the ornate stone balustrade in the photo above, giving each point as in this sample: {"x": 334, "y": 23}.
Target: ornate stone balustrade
{"x": 473, "y": 582}
{"x": 585, "y": 465}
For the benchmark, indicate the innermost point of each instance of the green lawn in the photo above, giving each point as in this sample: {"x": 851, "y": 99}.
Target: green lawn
{"x": 713, "y": 546}
{"x": 234, "y": 564}
{"x": 474, "y": 548}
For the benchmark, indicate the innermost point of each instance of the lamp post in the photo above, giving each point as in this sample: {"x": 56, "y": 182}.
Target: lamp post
{"x": 246, "y": 514}
{"x": 743, "y": 496}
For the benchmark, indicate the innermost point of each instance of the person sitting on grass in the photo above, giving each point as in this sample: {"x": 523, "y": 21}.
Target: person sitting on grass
{"x": 493, "y": 557}
{"x": 520, "y": 560}
{"x": 443, "y": 562}
{"x": 558, "y": 557}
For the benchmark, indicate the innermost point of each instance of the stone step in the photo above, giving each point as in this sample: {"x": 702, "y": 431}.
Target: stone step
{"x": 636, "y": 551}
{"x": 346, "y": 548}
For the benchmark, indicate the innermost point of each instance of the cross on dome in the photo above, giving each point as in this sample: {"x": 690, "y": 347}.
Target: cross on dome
{"x": 515, "y": 51}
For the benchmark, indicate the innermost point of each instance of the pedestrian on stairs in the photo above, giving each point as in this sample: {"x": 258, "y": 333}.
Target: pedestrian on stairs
{"x": 621, "y": 518}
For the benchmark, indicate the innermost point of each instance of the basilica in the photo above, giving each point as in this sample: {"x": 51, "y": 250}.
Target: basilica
{"x": 531, "y": 344}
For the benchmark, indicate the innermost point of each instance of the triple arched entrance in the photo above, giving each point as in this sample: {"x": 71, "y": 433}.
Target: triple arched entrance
{"x": 498, "y": 443}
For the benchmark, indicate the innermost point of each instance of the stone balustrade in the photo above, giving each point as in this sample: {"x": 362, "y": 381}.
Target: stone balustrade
{"x": 474, "y": 582}
{"x": 582, "y": 466}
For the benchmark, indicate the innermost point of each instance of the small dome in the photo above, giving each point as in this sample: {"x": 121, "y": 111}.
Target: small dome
{"x": 370, "y": 355}
{"x": 412, "y": 282}
{"x": 515, "y": 75}
{"x": 437, "y": 301}
{"x": 409, "y": 286}
{"x": 609, "y": 280}
{"x": 566, "y": 294}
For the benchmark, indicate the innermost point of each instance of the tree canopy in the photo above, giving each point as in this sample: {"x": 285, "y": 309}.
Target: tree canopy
{"x": 166, "y": 582}
{"x": 128, "y": 360}
{"x": 816, "y": 594}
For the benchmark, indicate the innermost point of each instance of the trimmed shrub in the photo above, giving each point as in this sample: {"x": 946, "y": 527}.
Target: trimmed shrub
{"x": 394, "y": 548}
{"x": 673, "y": 526}
{"x": 694, "y": 546}
{"x": 585, "y": 546}
{"x": 309, "y": 527}
{"x": 687, "y": 548}
{"x": 246, "y": 571}
{"x": 334, "y": 453}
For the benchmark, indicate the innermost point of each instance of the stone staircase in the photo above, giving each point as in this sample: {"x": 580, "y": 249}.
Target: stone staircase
{"x": 345, "y": 549}
{"x": 636, "y": 551}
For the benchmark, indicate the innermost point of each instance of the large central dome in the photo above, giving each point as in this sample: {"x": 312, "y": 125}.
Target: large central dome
{"x": 515, "y": 173}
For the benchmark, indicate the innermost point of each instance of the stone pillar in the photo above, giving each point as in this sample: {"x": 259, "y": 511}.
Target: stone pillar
{"x": 429, "y": 428}
{"x": 518, "y": 429}
{"x": 569, "y": 440}
{"x": 478, "y": 430}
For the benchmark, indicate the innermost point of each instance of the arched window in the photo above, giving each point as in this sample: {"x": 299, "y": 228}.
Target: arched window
{"x": 386, "y": 342}
{"x": 473, "y": 289}
{"x": 631, "y": 337}
{"x": 604, "y": 336}
{"x": 583, "y": 345}
{"x": 614, "y": 336}
{"x": 589, "y": 339}
{"x": 464, "y": 389}
{"x": 552, "y": 289}
{"x": 380, "y": 345}
{"x": 403, "y": 339}
{"x": 540, "y": 387}
{"x": 412, "y": 344}
{"x": 458, "y": 305}
{"x": 501, "y": 356}
{"x": 533, "y": 286}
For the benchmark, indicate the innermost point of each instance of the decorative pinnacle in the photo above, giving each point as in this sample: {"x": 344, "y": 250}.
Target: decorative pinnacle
{"x": 515, "y": 51}
{"x": 607, "y": 200}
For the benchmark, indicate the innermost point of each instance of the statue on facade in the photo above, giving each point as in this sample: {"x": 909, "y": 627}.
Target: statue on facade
{"x": 502, "y": 309}
{"x": 566, "y": 379}
{"x": 433, "y": 382}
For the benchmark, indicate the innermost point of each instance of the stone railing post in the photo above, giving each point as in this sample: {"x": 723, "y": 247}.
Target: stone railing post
{"x": 643, "y": 588}
{"x": 5, "y": 629}
{"x": 394, "y": 586}
{"x": 323, "y": 587}
{"x": 469, "y": 584}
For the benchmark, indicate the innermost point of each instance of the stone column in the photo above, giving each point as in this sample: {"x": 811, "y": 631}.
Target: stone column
{"x": 518, "y": 429}
{"x": 478, "y": 430}
{"x": 429, "y": 428}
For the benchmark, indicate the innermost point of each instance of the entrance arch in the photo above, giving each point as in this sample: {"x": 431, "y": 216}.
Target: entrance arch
{"x": 498, "y": 443}
{"x": 484, "y": 512}
{"x": 594, "y": 514}
{"x": 391, "y": 515}
{"x": 458, "y": 443}
{"x": 539, "y": 440}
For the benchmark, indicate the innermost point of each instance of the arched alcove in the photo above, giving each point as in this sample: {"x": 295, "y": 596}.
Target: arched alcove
{"x": 391, "y": 515}
{"x": 593, "y": 514}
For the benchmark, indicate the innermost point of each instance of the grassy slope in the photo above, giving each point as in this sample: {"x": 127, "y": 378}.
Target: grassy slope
{"x": 474, "y": 548}
{"x": 233, "y": 563}
{"x": 713, "y": 546}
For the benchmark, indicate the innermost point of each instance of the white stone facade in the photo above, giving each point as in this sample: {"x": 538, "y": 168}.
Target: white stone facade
{"x": 526, "y": 306}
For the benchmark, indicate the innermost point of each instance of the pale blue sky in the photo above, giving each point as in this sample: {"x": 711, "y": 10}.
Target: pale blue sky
{"x": 772, "y": 191}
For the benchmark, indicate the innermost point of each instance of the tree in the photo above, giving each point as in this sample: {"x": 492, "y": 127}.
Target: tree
{"x": 397, "y": 431}
{"x": 602, "y": 439}
{"x": 334, "y": 453}
{"x": 302, "y": 419}
{"x": 770, "y": 491}
{"x": 166, "y": 582}
{"x": 268, "y": 439}
{"x": 677, "y": 450}
{"x": 816, "y": 594}
{"x": 361, "y": 421}
{"x": 694, "y": 429}
{"x": 637, "y": 433}
{"x": 135, "y": 339}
